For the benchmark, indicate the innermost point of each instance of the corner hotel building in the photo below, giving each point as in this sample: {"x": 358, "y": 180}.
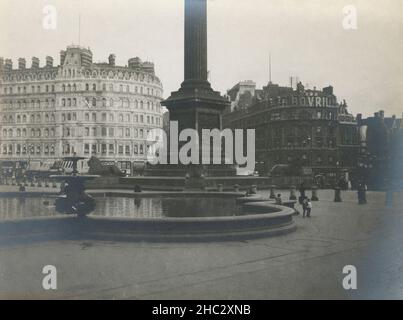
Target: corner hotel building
{"x": 91, "y": 109}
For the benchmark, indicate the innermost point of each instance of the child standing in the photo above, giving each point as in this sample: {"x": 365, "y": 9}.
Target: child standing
{"x": 308, "y": 208}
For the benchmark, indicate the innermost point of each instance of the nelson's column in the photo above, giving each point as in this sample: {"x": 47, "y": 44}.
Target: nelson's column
{"x": 196, "y": 105}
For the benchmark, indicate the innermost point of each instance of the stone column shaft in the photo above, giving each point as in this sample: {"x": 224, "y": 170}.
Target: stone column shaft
{"x": 196, "y": 40}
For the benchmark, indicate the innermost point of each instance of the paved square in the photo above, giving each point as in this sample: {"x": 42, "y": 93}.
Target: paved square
{"x": 306, "y": 264}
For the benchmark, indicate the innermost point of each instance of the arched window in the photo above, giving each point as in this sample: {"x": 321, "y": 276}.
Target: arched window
{"x": 64, "y": 88}
{"x": 94, "y": 87}
{"x": 87, "y": 87}
{"x": 94, "y": 102}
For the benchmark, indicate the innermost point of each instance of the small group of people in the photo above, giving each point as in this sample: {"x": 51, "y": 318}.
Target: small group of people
{"x": 306, "y": 204}
{"x": 304, "y": 201}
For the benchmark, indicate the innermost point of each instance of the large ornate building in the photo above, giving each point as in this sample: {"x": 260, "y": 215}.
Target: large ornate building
{"x": 91, "y": 109}
{"x": 381, "y": 155}
{"x": 306, "y": 131}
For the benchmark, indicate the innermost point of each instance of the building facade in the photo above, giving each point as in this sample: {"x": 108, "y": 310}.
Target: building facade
{"x": 306, "y": 131}
{"x": 78, "y": 107}
{"x": 381, "y": 154}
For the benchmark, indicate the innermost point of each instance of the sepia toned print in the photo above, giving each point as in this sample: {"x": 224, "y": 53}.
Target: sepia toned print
{"x": 202, "y": 150}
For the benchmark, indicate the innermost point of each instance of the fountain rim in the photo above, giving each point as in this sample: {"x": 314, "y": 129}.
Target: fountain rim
{"x": 164, "y": 229}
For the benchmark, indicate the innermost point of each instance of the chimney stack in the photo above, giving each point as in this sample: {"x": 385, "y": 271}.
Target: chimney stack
{"x": 62, "y": 57}
{"x": 382, "y": 114}
{"x": 112, "y": 60}
{"x": 21, "y": 63}
{"x": 1, "y": 63}
{"x": 8, "y": 65}
{"x": 49, "y": 62}
{"x": 35, "y": 63}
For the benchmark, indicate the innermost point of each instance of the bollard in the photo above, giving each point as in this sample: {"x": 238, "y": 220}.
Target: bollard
{"x": 272, "y": 192}
{"x": 337, "y": 195}
{"x": 220, "y": 188}
{"x": 236, "y": 188}
{"x": 293, "y": 191}
{"x": 314, "y": 194}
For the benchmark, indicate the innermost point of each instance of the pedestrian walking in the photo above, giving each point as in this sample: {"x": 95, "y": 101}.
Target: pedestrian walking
{"x": 304, "y": 206}
{"x": 308, "y": 208}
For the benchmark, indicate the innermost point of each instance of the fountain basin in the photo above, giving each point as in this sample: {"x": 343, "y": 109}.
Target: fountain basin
{"x": 252, "y": 220}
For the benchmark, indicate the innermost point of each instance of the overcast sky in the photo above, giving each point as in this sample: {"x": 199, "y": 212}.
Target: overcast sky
{"x": 306, "y": 38}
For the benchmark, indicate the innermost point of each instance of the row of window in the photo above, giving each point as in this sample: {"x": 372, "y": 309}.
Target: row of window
{"x": 50, "y": 118}
{"x": 89, "y": 149}
{"x": 71, "y": 132}
{"x": 301, "y": 142}
{"x": 88, "y": 102}
{"x": 150, "y": 91}
{"x": 108, "y": 132}
{"x": 304, "y": 159}
{"x": 33, "y": 133}
{"x": 136, "y": 118}
{"x": 104, "y": 102}
{"x": 35, "y": 104}
{"x": 32, "y": 118}
{"x": 48, "y": 149}
{"x": 111, "y": 149}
